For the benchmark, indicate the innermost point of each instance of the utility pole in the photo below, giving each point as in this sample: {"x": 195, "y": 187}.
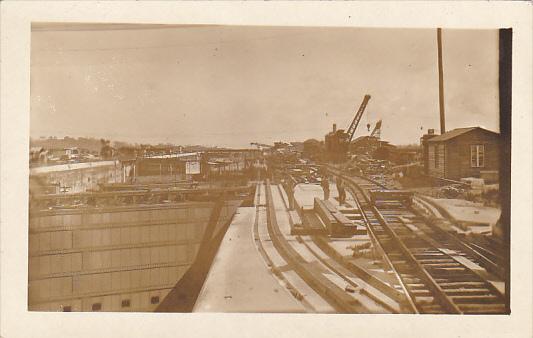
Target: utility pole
{"x": 441, "y": 82}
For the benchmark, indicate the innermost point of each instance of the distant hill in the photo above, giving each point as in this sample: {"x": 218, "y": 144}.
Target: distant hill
{"x": 92, "y": 144}
{"x": 95, "y": 144}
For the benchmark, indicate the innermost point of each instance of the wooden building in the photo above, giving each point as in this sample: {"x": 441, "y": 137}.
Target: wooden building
{"x": 462, "y": 152}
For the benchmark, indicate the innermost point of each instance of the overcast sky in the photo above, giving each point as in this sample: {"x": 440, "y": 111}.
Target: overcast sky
{"x": 230, "y": 85}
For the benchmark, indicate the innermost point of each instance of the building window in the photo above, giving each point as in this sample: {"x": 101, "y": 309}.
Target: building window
{"x": 97, "y": 307}
{"x": 154, "y": 300}
{"x": 125, "y": 303}
{"x": 477, "y": 156}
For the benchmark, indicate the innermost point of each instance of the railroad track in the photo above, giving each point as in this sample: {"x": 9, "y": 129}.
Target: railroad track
{"x": 488, "y": 253}
{"x": 485, "y": 251}
{"x": 381, "y": 292}
{"x": 314, "y": 271}
{"x": 435, "y": 279}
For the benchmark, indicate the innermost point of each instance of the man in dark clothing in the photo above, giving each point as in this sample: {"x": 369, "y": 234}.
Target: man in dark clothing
{"x": 290, "y": 191}
{"x": 341, "y": 190}
{"x": 325, "y": 186}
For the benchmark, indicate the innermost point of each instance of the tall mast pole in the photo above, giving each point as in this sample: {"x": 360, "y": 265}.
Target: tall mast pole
{"x": 441, "y": 83}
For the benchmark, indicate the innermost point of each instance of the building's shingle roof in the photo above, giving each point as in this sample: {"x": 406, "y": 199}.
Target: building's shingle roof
{"x": 454, "y": 133}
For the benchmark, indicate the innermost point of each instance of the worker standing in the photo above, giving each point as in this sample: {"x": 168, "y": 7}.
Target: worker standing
{"x": 325, "y": 186}
{"x": 290, "y": 191}
{"x": 341, "y": 190}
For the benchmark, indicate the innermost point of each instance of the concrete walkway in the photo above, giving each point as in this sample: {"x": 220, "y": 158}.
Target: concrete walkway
{"x": 239, "y": 279}
{"x": 466, "y": 211}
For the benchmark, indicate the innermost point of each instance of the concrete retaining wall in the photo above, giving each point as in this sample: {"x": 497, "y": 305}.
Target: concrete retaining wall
{"x": 78, "y": 177}
{"x": 115, "y": 259}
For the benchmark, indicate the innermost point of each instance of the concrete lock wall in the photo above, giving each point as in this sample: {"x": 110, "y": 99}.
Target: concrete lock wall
{"x": 79, "y": 177}
{"x": 121, "y": 259}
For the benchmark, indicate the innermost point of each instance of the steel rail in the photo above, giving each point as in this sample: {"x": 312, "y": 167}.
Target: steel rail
{"x": 342, "y": 275}
{"x": 341, "y": 301}
{"x": 326, "y": 249}
{"x": 445, "y": 300}
{"x": 440, "y": 295}
{"x": 268, "y": 261}
{"x": 491, "y": 265}
{"x": 409, "y": 297}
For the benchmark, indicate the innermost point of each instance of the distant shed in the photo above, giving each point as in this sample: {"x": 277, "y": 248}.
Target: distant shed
{"x": 463, "y": 152}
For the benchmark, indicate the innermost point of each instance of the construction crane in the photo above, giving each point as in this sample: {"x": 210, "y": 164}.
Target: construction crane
{"x": 357, "y": 118}
{"x": 338, "y": 142}
{"x": 377, "y": 131}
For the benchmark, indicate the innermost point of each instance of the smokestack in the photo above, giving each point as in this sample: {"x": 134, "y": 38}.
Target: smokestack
{"x": 441, "y": 83}
{"x": 334, "y": 127}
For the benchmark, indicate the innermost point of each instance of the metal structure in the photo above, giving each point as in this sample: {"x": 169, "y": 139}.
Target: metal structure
{"x": 357, "y": 118}
{"x": 337, "y": 142}
{"x": 377, "y": 131}
{"x": 132, "y": 197}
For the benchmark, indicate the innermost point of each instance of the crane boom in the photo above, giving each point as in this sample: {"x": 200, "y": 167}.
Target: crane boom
{"x": 357, "y": 118}
{"x": 377, "y": 130}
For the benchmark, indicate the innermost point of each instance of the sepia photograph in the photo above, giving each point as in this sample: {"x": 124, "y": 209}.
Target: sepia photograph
{"x": 269, "y": 169}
